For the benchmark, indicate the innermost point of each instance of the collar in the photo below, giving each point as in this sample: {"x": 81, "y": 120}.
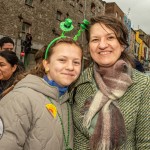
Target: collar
{"x": 62, "y": 90}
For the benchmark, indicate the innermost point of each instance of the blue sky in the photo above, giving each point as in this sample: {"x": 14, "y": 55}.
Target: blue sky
{"x": 139, "y": 12}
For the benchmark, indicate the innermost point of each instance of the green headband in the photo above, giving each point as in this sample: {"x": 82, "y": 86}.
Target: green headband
{"x": 67, "y": 26}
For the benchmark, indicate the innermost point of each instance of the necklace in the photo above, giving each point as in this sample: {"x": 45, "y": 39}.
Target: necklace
{"x": 66, "y": 138}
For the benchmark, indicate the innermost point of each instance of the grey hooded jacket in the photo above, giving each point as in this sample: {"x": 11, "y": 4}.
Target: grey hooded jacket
{"x": 28, "y": 125}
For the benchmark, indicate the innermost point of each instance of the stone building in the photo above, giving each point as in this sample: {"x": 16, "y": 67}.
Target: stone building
{"x": 41, "y": 19}
{"x": 132, "y": 45}
{"x": 113, "y": 9}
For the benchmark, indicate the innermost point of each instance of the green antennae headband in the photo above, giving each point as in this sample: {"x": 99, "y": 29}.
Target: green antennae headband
{"x": 83, "y": 26}
{"x": 67, "y": 26}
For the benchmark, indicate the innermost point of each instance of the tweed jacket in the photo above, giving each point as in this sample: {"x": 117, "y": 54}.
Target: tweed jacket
{"x": 28, "y": 124}
{"x": 134, "y": 105}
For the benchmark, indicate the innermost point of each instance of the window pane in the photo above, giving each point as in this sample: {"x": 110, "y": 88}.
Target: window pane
{"x": 29, "y": 2}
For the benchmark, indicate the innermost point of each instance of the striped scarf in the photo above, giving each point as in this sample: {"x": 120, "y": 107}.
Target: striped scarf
{"x": 110, "y": 131}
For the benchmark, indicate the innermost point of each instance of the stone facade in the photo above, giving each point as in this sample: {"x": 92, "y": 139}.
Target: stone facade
{"x": 113, "y": 9}
{"x": 41, "y": 18}
{"x": 132, "y": 42}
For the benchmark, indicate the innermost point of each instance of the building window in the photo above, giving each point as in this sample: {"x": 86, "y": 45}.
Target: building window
{"x": 78, "y": 26}
{"x": 99, "y": 9}
{"x": 67, "y": 15}
{"x": 29, "y": 2}
{"x": 59, "y": 15}
{"x": 72, "y": 3}
{"x": 149, "y": 55}
{"x": 145, "y": 52}
{"x": 26, "y": 28}
{"x": 80, "y": 7}
{"x": 55, "y": 32}
{"x": 116, "y": 14}
{"x": 93, "y": 8}
{"x": 135, "y": 48}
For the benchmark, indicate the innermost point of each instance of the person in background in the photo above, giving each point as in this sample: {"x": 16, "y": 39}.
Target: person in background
{"x": 138, "y": 65}
{"x": 6, "y": 43}
{"x": 9, "y": 70}
{"x": 36, "y": 114}
{"x": 111, "y": 100}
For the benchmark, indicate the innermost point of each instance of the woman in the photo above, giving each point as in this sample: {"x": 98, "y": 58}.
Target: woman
{"x": 9, "y": 70}
{"x": 111, "y": 100}
{"x": 36, "y": 114}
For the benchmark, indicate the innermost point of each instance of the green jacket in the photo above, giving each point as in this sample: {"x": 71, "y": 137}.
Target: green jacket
{"x": 134, "y": 104}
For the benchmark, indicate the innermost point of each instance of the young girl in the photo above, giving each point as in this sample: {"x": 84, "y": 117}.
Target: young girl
{"x": 36, "y": 114}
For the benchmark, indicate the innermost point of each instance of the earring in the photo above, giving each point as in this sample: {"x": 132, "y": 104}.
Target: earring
{"x": 46, "y": 70}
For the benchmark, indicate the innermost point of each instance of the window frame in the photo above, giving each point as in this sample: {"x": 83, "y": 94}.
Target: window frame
{"x": 29, "y": 2}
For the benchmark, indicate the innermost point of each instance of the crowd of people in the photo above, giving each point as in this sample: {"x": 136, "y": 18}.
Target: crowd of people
{"x": 55, "y": 106}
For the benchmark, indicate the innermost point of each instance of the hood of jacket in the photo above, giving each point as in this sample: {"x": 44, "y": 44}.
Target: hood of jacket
{"x": 40, "y": 85}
